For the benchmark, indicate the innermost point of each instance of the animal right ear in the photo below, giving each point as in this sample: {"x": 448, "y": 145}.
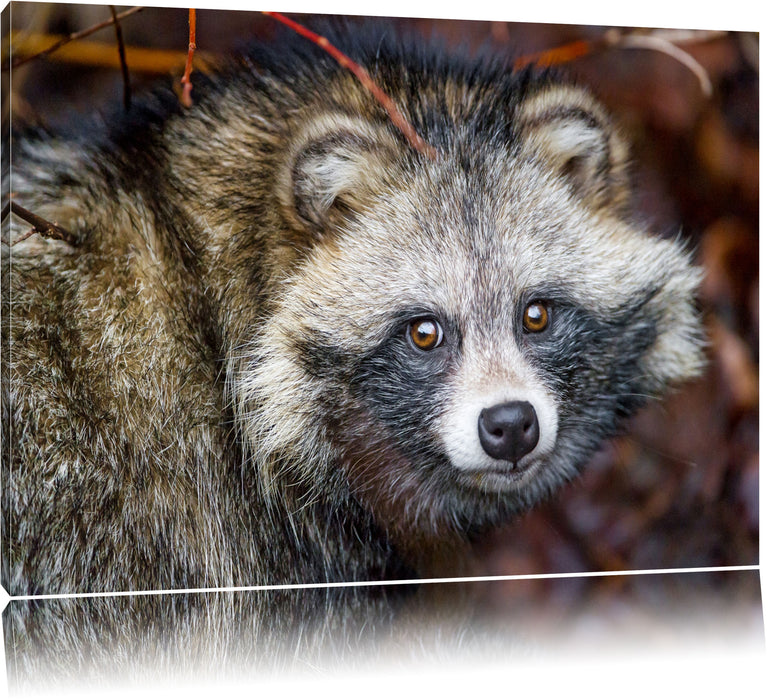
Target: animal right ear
{"x": 568, "y": 130}
{"x": 336, "y": 166}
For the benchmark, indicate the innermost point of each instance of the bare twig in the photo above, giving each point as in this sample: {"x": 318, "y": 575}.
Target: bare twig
{"x": 122, "y": 59}
{"x": 363, "y": 77}
{"x": 560, "y": 54}
{"x": 186, "y": 79}
{"x": 665, "y": 41}
{"x": 104, "y": 55}
{"x": 41, "y": 226}
{"x": 73, "y": 37}
{"x": 657, "y": 43}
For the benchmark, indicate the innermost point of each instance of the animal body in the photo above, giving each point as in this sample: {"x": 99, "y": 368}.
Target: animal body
{"x": 288, "y": 347}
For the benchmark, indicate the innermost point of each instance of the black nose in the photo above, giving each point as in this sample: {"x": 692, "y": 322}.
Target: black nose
{"x": 509, "y": 430}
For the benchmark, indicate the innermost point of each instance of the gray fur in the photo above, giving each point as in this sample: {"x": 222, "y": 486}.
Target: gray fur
{"x": 214, "y": 388}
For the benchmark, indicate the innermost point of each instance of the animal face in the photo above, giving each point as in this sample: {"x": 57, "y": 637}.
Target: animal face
{"x": 465, "y": 331}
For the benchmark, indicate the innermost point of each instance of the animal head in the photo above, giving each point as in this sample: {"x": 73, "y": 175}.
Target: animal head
{"x": 461, "y": 332}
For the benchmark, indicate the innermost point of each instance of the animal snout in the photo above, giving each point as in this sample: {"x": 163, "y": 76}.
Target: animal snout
{"x": 509, "y": 430}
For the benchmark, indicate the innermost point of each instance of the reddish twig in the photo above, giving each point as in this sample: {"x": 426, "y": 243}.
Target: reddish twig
{"x": 560, "y": 54}
{"x": 122, "y": 60}
{"x": 363, "y": 77}
{"x": 664, "y": 41}
{"x": 40, "y": 225}
{"x": 186, "y": 79}
{"x": 73, "y": 37}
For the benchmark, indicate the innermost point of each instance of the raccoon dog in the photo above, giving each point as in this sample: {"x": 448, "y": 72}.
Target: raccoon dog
{"x": 289, "y": 347}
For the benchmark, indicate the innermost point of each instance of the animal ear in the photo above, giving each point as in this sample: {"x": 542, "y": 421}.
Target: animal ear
{"x": 565, "y": 127}
{"x": 336, "y": 165}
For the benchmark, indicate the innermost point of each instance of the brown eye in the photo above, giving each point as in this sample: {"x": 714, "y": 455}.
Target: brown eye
{"x": 425, "y": 333}
{"x": 536, "y": 317}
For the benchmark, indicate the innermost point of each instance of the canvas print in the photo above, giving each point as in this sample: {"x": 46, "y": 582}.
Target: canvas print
{"x": 295, "y": 299}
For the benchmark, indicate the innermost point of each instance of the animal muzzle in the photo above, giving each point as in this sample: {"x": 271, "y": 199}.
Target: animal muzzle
{"x": 509, "y": 430}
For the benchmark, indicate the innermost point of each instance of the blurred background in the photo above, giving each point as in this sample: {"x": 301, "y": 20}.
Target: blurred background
{"x": 681, "y": 489}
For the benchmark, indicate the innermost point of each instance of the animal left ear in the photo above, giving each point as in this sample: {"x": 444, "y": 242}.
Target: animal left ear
{"x": 570, "y": 131}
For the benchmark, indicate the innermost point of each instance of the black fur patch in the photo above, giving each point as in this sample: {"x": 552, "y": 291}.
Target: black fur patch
{"x": 403, "y": 386}
{"x": 593, "y": 364}
{"x": 318, "y": 356}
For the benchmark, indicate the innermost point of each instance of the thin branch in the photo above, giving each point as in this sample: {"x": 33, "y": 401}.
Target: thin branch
{"x": 122, "y": 59}
{"x": 664, "y": 41}
{"x": 687, "y": 36}
{"x": 560, "y": 54}
{"x": 186, "y": 79}
{"x": 41, "y": 226}
{"x": 73, "y": 37}
{"x": 657, "y": 43}
{"x": 104, "y": 55}
{"x": 363, "y": 77}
